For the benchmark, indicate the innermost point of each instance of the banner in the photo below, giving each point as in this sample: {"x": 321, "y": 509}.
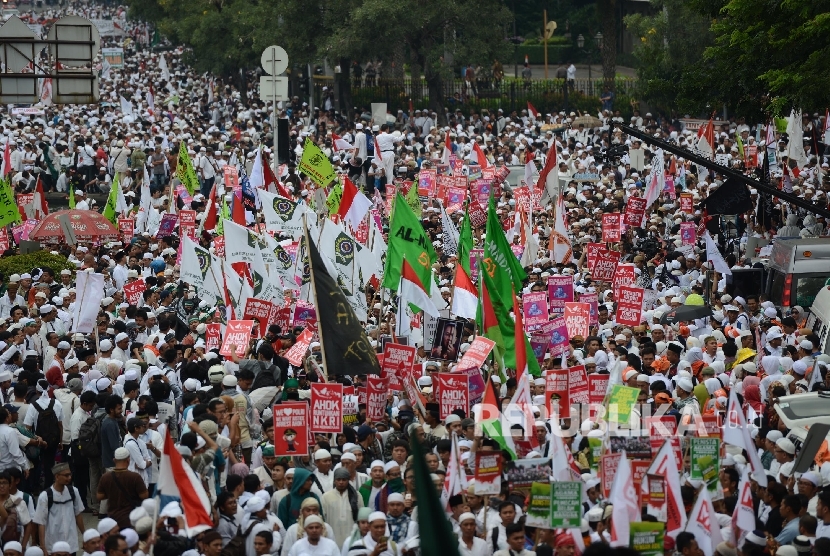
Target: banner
{"x": 556, "y": 392}
{"x": 621, "y": 401}
{"x": 606, "y": 264}
{"x": 635, "y": 209}
{"x": 540, "y": 505}
{"x": 687, "y": 203}
{"x": 326, "y": 407}
{"x": 578, "y": 385}
{"x": 259, "y": 310}
{"x": 592, "y": 299}
{"x": 290, "y": 429}
{"x": 134, "y": 292}
{"x": 488, "y": 467}
{"x": 316, "y": 165}
{"x": 688, "y": 233}
{"x": 127, "y": 228}
{"x": 647, "y": 537}
{"x": 477, "y": 353}
{"x": 535, "y": 306}
{"x": 566, "y": 504}
{"x": 560, "y": 291}
{"x": 376, "y": 393}
{"x": 611, "y": 227}
{"x": 706, "y": 461}
{"x": 187, "y": 223}
{"x": 213, "y": 336}
{"x": 115, "y": 56}
{"x": 452, "y": 391}
{"x": 576, "y": 319}
{"x": 629, "y": 305}
{"x": 9, "y": 209}
{"x": 296, "y": 353}
{"x": 624, "y": 275}
{"x": 597, "y": 387}
{"x": 397, "y": 364}
{"x": 238, "y": 333}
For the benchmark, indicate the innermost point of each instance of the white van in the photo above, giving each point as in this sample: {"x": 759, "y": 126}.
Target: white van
{"x": 819, "y": 318}
{"x": 798, "y": 268}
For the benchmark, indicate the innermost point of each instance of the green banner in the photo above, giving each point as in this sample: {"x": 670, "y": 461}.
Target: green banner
{"x": 539, "y": 508}
{"x": 185, "y": 171}
{"x": 315, "y": 165}
{"x": 647, "y": 537}
{"x": 566, "y": 504}
{"x": 706, "y": 461}
{"x": 620, "y": 403}
{"x": 9, "y": 211}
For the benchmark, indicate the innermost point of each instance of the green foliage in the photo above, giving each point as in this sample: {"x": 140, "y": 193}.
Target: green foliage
{"x": 557, "y": 53}
{"x": 19, "y": 264}
{"x": 669, "y": 55}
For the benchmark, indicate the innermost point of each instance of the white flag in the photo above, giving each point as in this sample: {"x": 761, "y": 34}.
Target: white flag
{"x": 284, "y": 215}
{"x": 703, "y": 523}
{"x": 626, "y": 508}
{"x": 736, "y": 432}
{"x": 126, "y": 106}
{"x": 455, "y": 481}
{"x": 90, "y": 291}
{"x": 450, "y": 236}
{"x": 257, "y": 177}
{"x": 165, "y": 71}
{"x": 713, "y": 255}
{"x": 672, "y": 512}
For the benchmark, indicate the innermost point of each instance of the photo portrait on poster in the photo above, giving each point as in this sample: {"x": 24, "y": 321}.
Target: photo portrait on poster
{"x": 447, "y": 341}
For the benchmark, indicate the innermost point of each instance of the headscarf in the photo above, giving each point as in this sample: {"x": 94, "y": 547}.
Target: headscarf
{"x": 770, "y": 364}
{"x": 362, "y": 515}
{"x": 712, "y": 385}
{"x": 290, "y": 383}
{"x": 752, "y": 397}
{"x": 289, "y": 508}
{"x": 701, "y": 393}
{"x": 240, "y": 469}
{"x": 307, "y": 503}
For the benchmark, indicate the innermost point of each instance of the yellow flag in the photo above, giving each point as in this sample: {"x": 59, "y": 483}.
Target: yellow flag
{"x": 315, "y": 165}
{"x": 185, "y": 172}
{"x": 9, "y": 211}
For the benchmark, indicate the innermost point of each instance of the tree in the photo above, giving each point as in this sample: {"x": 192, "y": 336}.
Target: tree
{"x": 608, "y": 15}
{"x": 670, "y": 54}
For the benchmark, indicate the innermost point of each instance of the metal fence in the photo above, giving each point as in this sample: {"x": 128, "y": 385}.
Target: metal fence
{"x": 508, "y": 94}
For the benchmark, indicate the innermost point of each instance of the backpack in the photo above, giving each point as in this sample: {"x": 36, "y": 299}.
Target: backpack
{"x": 89, "y": 437}
{"x": 48, "y": 425}
{"x": 236, "y": 546}
{"x": 50, "y": 501}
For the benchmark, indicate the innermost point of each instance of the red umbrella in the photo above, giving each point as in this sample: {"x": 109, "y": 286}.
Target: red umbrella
{"x": 87, "y": 225}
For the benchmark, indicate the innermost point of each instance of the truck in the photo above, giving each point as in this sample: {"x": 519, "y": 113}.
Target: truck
{"x": 798, "y": 268}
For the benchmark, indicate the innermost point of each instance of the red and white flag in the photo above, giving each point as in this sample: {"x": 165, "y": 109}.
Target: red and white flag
{"x": 39, "y": 201}
{"x": 743, "y": 518}
{"x": 521, "y": 398}
{"x": 353, "y": 204}
{"x": 626, "y": 506}
{"x": 445, "y": 156}
{"x": 151, "y": 101}
{"x": 7, "y": 159}
{"x": 412, "y": 291}
{"x": 340, "y": 144}
{"x": 482, "y": 160}
{"x": 549, "y": 187}
{"x": 665, "y": 465}
{"x": 532, "y": 110}
{"x": 530, "y": 168}
{"x": 703, "y": 523}
{"x": 706, "y": 140}
{"x": 465, "y": 295}
{"x": 736, "y": 432}
{"x": 176, "y": 478}
{"x": 455, "y": 481}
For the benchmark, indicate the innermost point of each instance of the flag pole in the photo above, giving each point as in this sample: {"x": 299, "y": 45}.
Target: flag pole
{"x": 314, "y": 298}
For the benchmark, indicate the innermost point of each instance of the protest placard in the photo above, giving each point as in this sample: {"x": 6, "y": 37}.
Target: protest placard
{"x": 539, "y": 506}
{"x": 452, "y": 391}
{"x": 376, "y": 393}
{"x": 560, "y": 291}
{"x": 591, "y": 252}
{"x": 705, "y": 454}
{"x": 597, "y": 387}
{"x": 635, "y": 208}
{"x": 487, "y": 473}
{"x": 687, "y": 203}
{"x": 397, "y": 363}
{"x": 187, "y": 223}
{"x": 624, "y": 275}
{"x": 126, "y": 226}
{"x": 304, "y": 314}
{"x": 605, "y": 265}
{"x": 577, "y": 316}
{"x": 688, "y": 233}
{"x": 566, "y": 504}
{"x": 296, "y": 353}
{"x": 629, "y": 305}
{"x": 259, "y": 310}
{"x": 535, "y": 305}
{"x": 556, "y": 392}
{"x": 238, "y": 333}
{"x": 578, "y": 385}
{"x": 592, "y": 299}
{"x": 477, "y": 353}
{"x": 213, "y": 336}
{"x": 134, "y": 292}
{"x": 326, "y": 407}
{"x": 621, "y": 401}
{"x": 611, "y": 227}
{"x": 647, "y": 537}
{"x": 290, "y": 429}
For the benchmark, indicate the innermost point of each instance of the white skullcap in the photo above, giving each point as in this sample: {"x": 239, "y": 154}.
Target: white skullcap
{"x": 390, "y": 465}
{"x": 395, "y": 497}
{"x": 321, "y": 454}
{"x": 377, "y": 463}
{"x": 312, "y": 519}
{"x": 377, "y": 516}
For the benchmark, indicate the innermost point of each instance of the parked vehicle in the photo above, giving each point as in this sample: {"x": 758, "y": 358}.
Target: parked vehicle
{"x": 798, "y": 268}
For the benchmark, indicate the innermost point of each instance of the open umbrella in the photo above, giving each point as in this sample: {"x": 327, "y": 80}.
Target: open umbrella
{"x": 587, "y": 121}
{"x": 686, "y": 312}
{"x": 86, "y": 224}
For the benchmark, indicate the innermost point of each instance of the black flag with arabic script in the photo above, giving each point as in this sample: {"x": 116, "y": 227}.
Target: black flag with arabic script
{"x": 347, "y": 348}
{"x": 732, "y": 197}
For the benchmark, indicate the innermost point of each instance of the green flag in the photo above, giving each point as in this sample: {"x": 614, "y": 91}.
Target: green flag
{"x": 413, "y": 200}
{"x": 740, "y": 144}
{"x": 9, "y": 211}
{"x": 334, "y": 198}
{"x": 71, "y": 196}
{"x": 503, "y": 274}
{"x": 465, "y": 243}
{"x": 438, "y": 537}
{"x": 110, "y": 209}
{"x": 316, "y": 165}
{"x": 408, "y": 240}
{"x": 224, "y": 214}
{"x": 185, "y": 171}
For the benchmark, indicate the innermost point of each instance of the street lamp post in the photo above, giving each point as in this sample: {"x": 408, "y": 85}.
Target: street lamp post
{"x": 580, "y": 43}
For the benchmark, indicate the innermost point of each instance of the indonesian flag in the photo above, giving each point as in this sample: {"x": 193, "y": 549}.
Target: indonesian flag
{"x": 412, "y": 291}
{"x": 151, "y": 100}
{"x": 455, "y": 481}
{"x": 706, "y": 140}
{"x": 209, "y": 221}
{"x": 549, "y": 187}
{"x": 665, "y": 465}
{"x": 530, "y": 168}
{"x": 521, "y": 398}
{"x": 39, "y": 201}
{"x": 702, "y": 523}
{"x": 7, "y": 159}
{"x": 340, "y": 144}
{"x": 626, "y": 506}
{"x": 445, "y": 156}
{"x": 272, "y": 184}
{"x": 176, "y": 478}
{"x": 377, "y": 148}
{"x": 465, "y": 296}
{"x": 482, "y": 160}
{"x": 736, "y": 432}
{"x": 353, "y": 204}
{"x": 559, "y": 244}
{"x": 257, "y": 176}
{"x": 532, "y": 110}
{"x": 238, "y": 209}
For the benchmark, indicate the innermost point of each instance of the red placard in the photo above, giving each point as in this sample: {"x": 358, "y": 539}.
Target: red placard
{"x": 597, "y": 387}
{"x": 608, "y": 468}
{"x": 376, "y": 393}
{"x": 638, "y": 471}
{"x": 127, "y": 228}
{"x": 711, "y": 425}
{"x": 259, "y": 310}
{"x": 24, "y": 199}
{"x": 535, "y": 307}
{"x": 134, "y": 291}
{"x": 624, "y": 275}
{"x": 687, "y": 203}
{"x": 231, "y": 175}
{"x": 578, "y": 388}
{"x": 426, "y": 182}
{"x": 304, "y": 314}
{"x": 219, "y": 245}
{"x": 187, "y": 223}
{"x": 452, "y": 391}
{"x": 591, "y": 252}
{"x": 629, "y": 305}
{"x": 281, "y": 316}
{"x": 326, "y": 407}
{"x": 476, "y": 354}
{"x": 751, "y": 155}
{"x": 290, "y": 429}
{"x": 478, "y": 216}
{"x": 238, "y": 333}
{"x": 4, "y": 240}
{"x": 611, "y": 227}
{"x": 634, "y": 211}
{"x": 605, "y": 265}
{"x": 397, "y": 364}
{"x": 556, "y": 392}
{"x": 296, "y": 353}
{"x": 213, "y": 336}
{"x": 577, "y": 316}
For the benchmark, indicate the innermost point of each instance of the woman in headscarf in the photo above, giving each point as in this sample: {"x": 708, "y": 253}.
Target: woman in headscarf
{"x": 752, "y": 395}
{"x": 702, "y": 394}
